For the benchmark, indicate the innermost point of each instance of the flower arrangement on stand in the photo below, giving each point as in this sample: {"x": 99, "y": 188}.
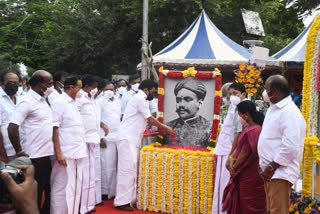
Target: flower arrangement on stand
{"x": 300, "y": 204}
{"x": 250, "y": 77}
{"x": 182, "y": 184}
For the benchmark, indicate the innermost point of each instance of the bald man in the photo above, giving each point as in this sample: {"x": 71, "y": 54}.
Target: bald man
{"x": 191, "y": 128}
{"x": 33, "y": 115}
{"x": 284, "y": 128}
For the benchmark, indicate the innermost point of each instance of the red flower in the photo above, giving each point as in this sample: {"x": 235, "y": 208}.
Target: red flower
{"x": 214, "y": 129}
{"x": 217, "y": 103}
{"x": 161, "y": 80}
{"x": 175, "y": 75}
{"x": 204, "y": 75}
{"x": 160, "y": 102}
{"x": 218, "y": 82}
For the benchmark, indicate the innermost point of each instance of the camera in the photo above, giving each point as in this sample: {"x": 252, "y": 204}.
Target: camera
{"x": 15, "y": 173}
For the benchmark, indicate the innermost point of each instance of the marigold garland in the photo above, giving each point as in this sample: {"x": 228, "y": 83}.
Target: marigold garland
{"x": 175, "y": 180}
{"x": 308, "y": 104}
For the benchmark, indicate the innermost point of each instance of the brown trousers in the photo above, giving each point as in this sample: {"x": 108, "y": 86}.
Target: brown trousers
{"x": 278, "y": 196}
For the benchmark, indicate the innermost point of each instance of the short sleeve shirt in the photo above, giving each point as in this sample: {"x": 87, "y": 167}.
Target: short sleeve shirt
{"x": 34, "y": 116}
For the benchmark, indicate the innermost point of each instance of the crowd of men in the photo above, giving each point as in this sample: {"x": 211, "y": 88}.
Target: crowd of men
{"x": 82, "y": 135}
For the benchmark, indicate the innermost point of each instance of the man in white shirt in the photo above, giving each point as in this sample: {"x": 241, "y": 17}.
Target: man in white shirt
{"x": 8, "y": 101}
{"x": 58, "y": 83}
{"x": 90, "y": 118}
{"x": 227, "y": 138}
{"x": 136, "y": 116}
{"x": 110, "y": 115}
{"x": 134, "y": 81}
{"x": 33, "y": 114}
{"x": 280, "y": 145}
{"x": 70, "y": 149}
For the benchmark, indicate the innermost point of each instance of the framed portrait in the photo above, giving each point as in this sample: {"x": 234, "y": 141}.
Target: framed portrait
{"x": 189, "y": 102}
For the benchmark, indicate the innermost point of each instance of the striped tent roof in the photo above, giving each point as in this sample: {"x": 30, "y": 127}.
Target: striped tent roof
{"x": 294, "y": 52}
{"x": 203, "y": 43}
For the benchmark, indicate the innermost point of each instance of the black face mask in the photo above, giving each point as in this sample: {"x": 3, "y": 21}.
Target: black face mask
{"x": 11, "y": 88}
{"x": 149, "y": 97}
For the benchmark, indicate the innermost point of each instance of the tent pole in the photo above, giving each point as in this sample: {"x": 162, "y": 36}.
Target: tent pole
{"x": 144, "y": 67}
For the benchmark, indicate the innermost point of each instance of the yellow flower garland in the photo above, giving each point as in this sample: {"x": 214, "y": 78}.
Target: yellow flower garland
{"x": 182, "y": 183}
{"x": 310, "y": 149}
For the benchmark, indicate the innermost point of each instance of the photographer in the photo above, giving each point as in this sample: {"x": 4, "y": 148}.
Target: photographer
{"x": 24, "y": 195}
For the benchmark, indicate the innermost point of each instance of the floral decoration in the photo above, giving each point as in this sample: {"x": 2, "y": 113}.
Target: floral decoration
{"x": 300, "y": 204}
{"x": 216, "y": 74}
{"x": 250, "y": 77}
{"x": 310, "y": 102}
{"x": 185, "y": 183}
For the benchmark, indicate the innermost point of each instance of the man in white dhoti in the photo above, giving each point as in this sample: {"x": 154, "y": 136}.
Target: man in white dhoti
{"x": 135, "y": 118}
{"x": 110, "y": 115}
{"x": 88, "y": 111}
{"x": 228, "y": 135}
{"x": 70, "y": 149}
{"x": 97, "y": 154}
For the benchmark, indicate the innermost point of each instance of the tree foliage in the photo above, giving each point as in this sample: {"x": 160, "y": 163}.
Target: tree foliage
{"x": 103, "y": 36}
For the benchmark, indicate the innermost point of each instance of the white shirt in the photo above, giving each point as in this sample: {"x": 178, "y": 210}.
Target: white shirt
{"x": 229, "y": 129}
{"x": 135, "y": 118}
{"x": 7, "y": 107}
{"x": 67, "y": 117}
{"x": 33, "y": 114}
{"x": 282, "y": 139}
{"x": 110, "y": 115}
{"x": 53, "y": 96}
{"x": 127, "y": 97}
{"x": 90, "y": 118}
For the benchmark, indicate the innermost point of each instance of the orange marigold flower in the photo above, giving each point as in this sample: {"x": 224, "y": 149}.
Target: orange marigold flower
{"x": 242, "y": 66}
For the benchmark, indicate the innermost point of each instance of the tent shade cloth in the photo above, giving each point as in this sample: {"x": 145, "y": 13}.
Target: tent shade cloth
{"x": 294, "y": 52}
{"x": 204, "y": 44}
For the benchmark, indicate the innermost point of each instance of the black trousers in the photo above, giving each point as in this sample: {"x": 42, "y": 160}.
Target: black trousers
{"x": 42, "y": 176}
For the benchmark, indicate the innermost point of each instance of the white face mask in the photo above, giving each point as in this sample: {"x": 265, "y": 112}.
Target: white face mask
{"x": 79, "y": 94}
{"x": 265, "y": 96}
{"x": 235, "y": 100}
{"x": 135, "y": 87}
{"x": 241, "y": 120}
{"x": 109, "y": 94}
{"x": 93, "y": 92}
{"x": 20, "y": 89}
{"x": 122, "y": 90}
{"x": 48, "y": 91}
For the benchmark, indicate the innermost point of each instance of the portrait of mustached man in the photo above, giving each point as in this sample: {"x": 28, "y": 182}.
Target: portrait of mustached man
{"x": 191, "y": 128}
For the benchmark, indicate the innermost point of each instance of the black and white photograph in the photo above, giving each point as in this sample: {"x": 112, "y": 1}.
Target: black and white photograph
{"x": 188, "y": 109}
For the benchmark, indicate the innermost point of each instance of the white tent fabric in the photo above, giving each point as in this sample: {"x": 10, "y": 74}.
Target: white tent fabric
{"x": 294, "y": 52}
{"x": 204, "y": 44}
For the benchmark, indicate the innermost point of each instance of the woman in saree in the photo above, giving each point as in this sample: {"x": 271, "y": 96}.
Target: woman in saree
{"x": 245, "y": 193}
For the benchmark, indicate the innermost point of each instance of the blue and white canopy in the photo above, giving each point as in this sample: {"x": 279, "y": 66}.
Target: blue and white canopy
{"x": 294, "y": 52}
{"x": 203, "y": 43}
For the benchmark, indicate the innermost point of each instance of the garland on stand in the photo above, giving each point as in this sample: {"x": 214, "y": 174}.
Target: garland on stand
{"x": 184, "y": 185}
{"x": 191, "y": 72}
{"x": 310, "y": 104}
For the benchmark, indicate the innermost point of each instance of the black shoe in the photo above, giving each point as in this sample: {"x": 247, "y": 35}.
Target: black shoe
{"x": 104, "y": 197}
{"x": 99, "y": 204}
{"x": 126, "y": 207}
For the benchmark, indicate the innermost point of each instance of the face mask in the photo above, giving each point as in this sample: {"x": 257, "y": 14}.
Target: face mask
{"x": 48, "y": 91}
{"x": 135, "y": 87}
{"x": 241, "y": 120}
{"x": 20, "y": 89}
{"x": 235, "y": 100}
{"x": 11, "y": 88}
{"x": 93, "y": 92}
{"x": 122, "y": 90}
{"x": 149, "y": 97}
{"x": 79, "y": 94}
{"x": 265, "y": 96}
{"x": 109, "y": 94}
